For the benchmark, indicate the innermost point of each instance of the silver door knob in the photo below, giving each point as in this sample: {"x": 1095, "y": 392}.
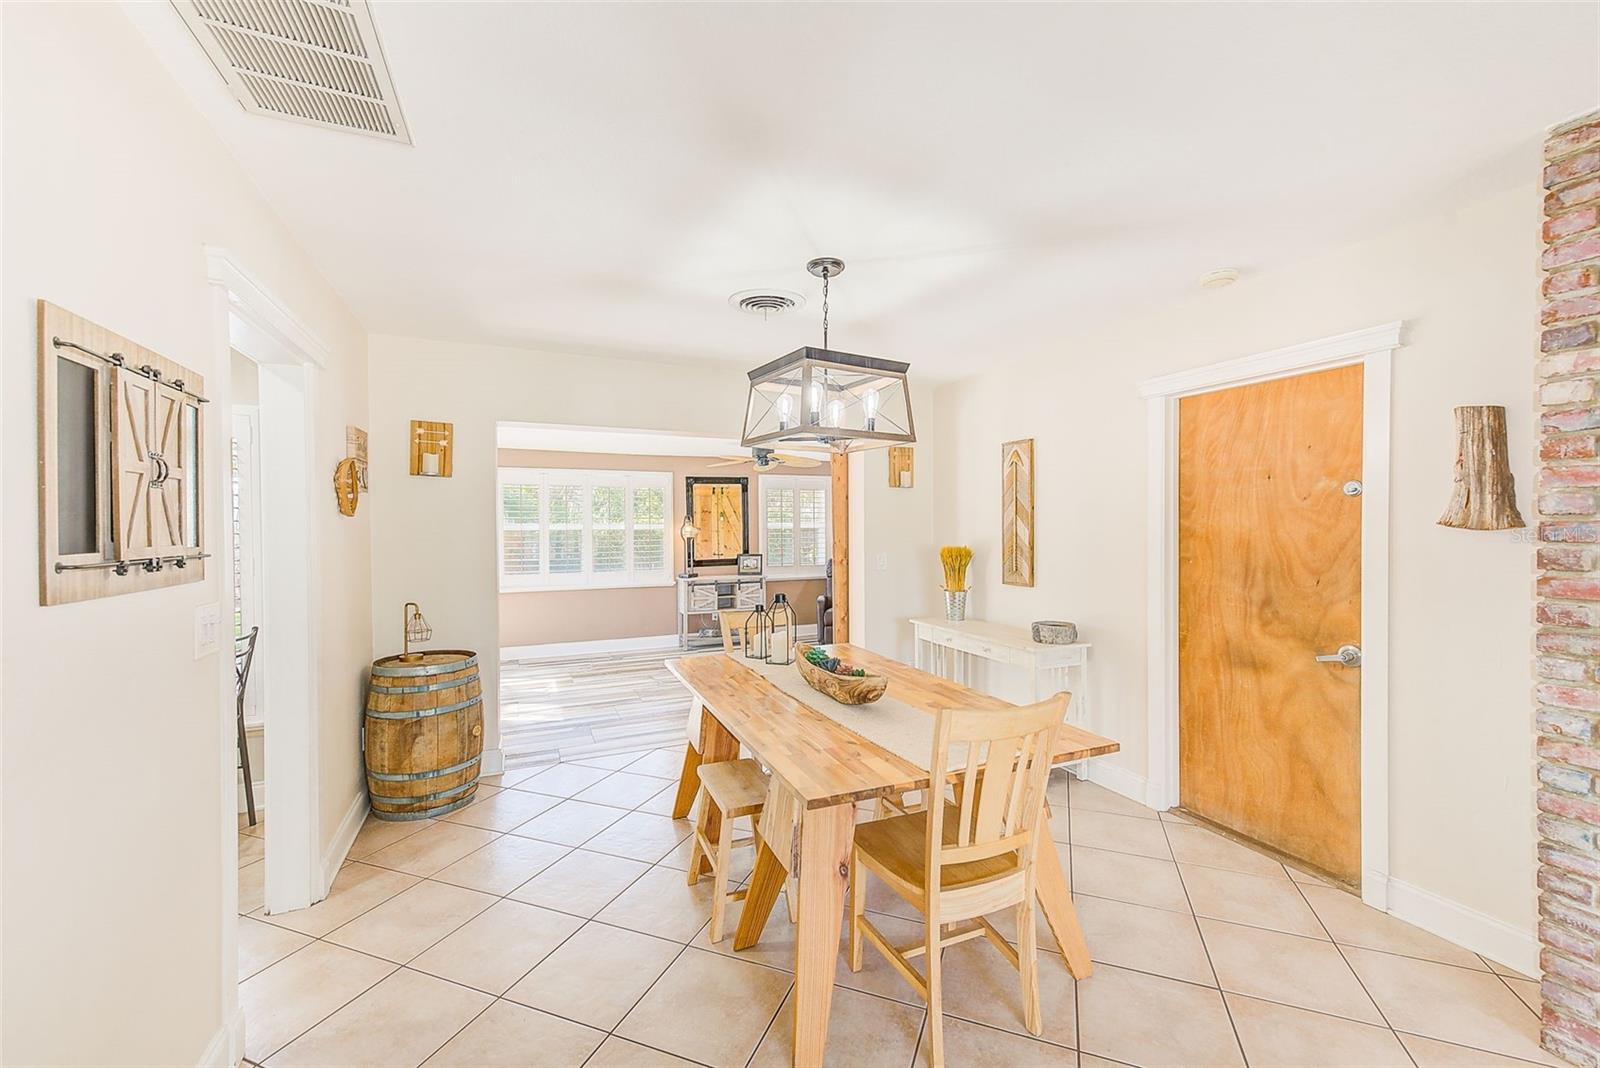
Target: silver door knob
{"x": 1348, "y": 655}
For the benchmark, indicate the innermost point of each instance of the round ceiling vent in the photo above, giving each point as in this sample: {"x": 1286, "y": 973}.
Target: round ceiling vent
{"x": 766, "y": 302}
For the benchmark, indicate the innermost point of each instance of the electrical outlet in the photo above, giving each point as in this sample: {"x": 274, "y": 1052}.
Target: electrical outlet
{"x": 207, "y": 630}
{"x": 880, "y": 562}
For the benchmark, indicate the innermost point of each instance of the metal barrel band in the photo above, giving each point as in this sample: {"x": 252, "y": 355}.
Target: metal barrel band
{"x": 423, "y": 814}
{"x": 425, "y": 669}
{"x": 422, "y": 799}
{"x": 424, "y": 713}
{"x": 417, "y": 776}
{"x": 447, "y": 684}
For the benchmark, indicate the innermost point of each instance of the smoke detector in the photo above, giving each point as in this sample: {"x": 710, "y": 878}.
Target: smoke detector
{"x": 1219, "y": 278}
{"x": 312, "y": 61}
{"x": 766, "y": 302}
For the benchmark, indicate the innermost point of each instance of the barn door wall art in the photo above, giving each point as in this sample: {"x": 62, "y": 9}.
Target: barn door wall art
{"x": 1016, "y": 513}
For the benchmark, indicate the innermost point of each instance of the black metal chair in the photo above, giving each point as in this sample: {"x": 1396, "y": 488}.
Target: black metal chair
{"x": 244, "y": 654}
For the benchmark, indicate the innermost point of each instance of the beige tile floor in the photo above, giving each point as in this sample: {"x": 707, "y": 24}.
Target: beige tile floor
{"x": 549, "y": 924}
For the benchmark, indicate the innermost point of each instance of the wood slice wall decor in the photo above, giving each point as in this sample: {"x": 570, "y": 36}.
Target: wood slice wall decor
{"x": 1016, "y": 513}
{"x": 431, "y": 448}
{"x": 1485, "y": 496}
{"x": 120, "y": 463}
{"x": 900, "y": 466}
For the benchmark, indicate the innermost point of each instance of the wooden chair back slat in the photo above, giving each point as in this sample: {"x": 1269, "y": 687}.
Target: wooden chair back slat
{"x": 732, "y": 627}
{"x": 1001, "y": 783}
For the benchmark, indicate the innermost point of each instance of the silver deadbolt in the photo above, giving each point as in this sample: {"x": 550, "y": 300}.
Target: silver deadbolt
{"x": 1348, "y": 655}
{"x": 1352, "y": 488}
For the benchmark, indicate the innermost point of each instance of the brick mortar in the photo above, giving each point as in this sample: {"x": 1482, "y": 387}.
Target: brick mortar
{"x": 1567, "y": 592}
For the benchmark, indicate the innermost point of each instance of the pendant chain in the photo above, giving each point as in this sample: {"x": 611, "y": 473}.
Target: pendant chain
{"x": 825, "y": 273}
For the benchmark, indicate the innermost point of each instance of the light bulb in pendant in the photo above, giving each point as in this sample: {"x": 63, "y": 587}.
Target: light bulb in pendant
{"x": 870, "y": 403}
{"x": 835, "y": 412}
{"x": 814, "y": 409}
{"x": 785, "y": 411}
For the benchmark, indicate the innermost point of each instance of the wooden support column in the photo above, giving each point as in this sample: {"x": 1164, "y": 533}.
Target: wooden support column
{"x": 840, "y": 509}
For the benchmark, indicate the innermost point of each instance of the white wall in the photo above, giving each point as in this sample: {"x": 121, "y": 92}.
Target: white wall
{"x": 434, "y": 538}
{"x": 117, "y": 868}
{"x": 1464, "y": 282}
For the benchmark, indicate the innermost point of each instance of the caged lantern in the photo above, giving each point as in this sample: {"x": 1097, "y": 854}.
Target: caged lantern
{"x": 825, "y": 400}
{"x": 753, "y": 636}
{"x": 782, "y": 631}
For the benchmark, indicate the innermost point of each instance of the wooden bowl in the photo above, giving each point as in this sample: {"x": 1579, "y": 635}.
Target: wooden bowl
{"x": 846, "y": 689}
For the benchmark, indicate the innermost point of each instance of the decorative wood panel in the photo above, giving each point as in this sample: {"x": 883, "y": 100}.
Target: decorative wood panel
{"x": 144, "y": 481}
{"x": 901, "y": 462}
{"x": 839, "y": 513}
{"x": 1269, "y": 577}
{"x": 1016, "y": 513}
{"x": 432, "y": 448}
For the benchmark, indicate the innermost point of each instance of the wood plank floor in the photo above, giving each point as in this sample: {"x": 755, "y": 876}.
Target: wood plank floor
{"x": 584, "y": 706}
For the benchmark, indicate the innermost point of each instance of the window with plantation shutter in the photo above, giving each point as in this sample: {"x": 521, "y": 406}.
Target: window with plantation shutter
{"x": 563, "y": 529}
{"x": 795, "y": 533}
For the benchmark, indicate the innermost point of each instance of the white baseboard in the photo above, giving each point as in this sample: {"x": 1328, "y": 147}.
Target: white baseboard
{"x": 653, "y": 643}
{"x": 343, "y": 839}
{"x": 1119, "y": 780}
{"x": 551, "y": 650}
{"x": 494, "y": 762}
{"x": 226, "y": 1048}
{"x": 1466, "y": 927}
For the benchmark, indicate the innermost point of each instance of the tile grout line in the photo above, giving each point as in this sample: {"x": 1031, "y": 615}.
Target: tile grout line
{"x": 1359, "y": 981}
{"x": 1193, "y": 917}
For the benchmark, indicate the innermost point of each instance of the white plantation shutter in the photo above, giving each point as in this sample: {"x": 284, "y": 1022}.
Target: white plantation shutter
{"x": 565, "y": 529}
{"x": 794, "y": 524}
{"x": 650, "y": 528}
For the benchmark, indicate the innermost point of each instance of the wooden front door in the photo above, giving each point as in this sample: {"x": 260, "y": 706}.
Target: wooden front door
{"x": 1269, "y": 578}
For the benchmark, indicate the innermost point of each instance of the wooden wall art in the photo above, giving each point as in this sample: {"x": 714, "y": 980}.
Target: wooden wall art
{"x": 900, "y": 466}
{"x": 720, "y": 511}
{"x": 355, "y": 448}
{"x": 431, "y": 448}
{"x": 1016, "y": 513}
{"x": 347, "y": 485}
{"x": 121, "y": 475}
{"x": 1485, "y": 496}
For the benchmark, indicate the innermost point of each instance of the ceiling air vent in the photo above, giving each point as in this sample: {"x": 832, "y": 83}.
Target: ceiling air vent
{"x": 766, "y": 302}
{"x": 314, "y": 61}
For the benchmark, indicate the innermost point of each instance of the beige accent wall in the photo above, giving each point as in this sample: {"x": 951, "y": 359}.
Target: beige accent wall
{"x": 540, "y": 617}
{"x": 118, "y": 943}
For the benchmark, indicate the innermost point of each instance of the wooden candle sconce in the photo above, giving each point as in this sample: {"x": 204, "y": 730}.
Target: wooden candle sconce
{"x": 431, "y": 448}
{"x": 1485, "y": 496}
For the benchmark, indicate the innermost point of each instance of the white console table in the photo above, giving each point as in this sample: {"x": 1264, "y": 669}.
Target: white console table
{"x": 947, "y": 648}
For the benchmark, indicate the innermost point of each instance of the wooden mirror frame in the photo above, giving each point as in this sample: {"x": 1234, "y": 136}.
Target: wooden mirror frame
{"x": 689, "y": 484}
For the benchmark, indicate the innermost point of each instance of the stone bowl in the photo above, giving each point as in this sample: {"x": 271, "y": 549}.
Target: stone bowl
{"x": 1055, "y": 632}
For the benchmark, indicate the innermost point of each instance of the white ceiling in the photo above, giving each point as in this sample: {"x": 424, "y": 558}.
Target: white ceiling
{"x": 598, "y": 178}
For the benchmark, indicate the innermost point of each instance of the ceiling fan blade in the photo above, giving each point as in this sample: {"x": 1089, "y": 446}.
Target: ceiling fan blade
{"x": 730, "y": 462}
{"x": 789, "y": 459}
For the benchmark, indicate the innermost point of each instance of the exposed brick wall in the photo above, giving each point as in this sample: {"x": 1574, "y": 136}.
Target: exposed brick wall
{"x": 1568, "y": 594}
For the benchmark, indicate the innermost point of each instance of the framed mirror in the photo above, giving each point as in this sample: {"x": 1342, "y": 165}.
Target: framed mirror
{"x": 719, "y": 508}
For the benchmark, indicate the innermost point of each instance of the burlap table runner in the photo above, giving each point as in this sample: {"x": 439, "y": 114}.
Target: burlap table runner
{"x": 902, "y": 729}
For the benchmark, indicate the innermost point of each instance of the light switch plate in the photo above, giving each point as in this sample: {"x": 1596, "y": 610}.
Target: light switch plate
{"x": 207, "y": 630}
{"x": 881, "y": 561}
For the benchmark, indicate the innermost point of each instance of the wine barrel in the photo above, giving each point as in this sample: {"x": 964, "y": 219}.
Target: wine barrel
{"x": 423, "y": 735}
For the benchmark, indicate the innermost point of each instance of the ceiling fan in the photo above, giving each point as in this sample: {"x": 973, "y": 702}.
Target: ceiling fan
{"x": 767, "y": 459}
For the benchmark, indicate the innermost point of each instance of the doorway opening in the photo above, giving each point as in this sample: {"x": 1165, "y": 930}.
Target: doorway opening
{"x": 1372, "y": 350}
{"x": 600, "y": 586}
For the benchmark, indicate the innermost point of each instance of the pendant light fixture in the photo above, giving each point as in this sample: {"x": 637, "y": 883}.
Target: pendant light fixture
{"x": 820, "y": 399}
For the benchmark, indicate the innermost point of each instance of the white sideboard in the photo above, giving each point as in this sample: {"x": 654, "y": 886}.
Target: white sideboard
{"x": 947, "y": 648}
{"x": 703, "y": 597}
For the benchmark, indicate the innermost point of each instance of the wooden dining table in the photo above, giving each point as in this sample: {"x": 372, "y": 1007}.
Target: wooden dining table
{"x": 820, "y": 770}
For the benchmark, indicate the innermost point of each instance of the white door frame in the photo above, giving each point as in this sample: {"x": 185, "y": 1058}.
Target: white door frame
{"x": 1372, "y": 348}
{"x": 246, "y": 317}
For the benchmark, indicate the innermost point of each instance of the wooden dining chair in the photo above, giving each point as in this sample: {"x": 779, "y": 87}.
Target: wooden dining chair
{"x": 689, "y": 777}
{"x": 964, "y": 859}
